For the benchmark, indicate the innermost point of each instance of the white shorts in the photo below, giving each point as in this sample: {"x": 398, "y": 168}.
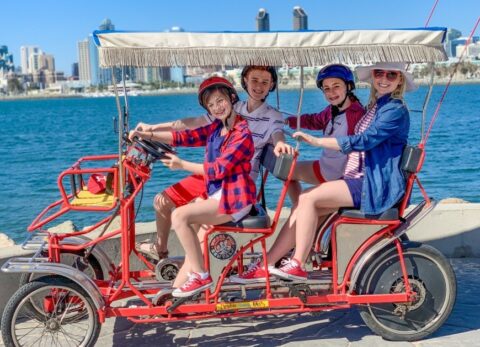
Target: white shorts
{"x": 237, "y": 215}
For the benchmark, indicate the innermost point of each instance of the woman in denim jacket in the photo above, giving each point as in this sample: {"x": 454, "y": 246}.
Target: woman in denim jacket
{"x": 372, "y": 182}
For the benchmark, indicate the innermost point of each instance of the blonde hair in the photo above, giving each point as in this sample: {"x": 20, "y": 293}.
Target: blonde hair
{"x": 398, "y": 93}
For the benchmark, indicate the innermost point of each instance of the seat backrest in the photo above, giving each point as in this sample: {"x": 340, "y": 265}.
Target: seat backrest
{"x": 412, "y": 161}
{"x": 277, "y": 166}
{"x": 280, "y": 167}
{"x": 411, "y": 157}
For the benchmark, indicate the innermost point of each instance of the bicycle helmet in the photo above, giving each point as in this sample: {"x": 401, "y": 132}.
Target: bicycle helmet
{"x": 216, "y": 81}
{"x": 336, "y": 71}
{"x": 270, "y": 69}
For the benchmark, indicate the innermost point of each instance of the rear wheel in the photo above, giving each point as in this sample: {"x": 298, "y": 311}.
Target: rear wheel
{"x": 91, "y": 268}
{"x": 432, "y": 279}
{"x": 68, "y": 317}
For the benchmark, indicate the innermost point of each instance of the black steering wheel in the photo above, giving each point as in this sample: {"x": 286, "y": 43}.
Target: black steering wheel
{"x": 156, "y": 149}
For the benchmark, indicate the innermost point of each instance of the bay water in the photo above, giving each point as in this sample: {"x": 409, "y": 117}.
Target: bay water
{"x": 41, "y": 138}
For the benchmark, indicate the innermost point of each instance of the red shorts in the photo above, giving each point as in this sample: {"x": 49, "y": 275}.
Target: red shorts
{"x": 186, "y": 190}
{"x": 318, "y": 172}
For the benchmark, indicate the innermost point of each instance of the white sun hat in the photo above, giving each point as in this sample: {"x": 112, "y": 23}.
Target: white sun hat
{"x": 364, "y": 73}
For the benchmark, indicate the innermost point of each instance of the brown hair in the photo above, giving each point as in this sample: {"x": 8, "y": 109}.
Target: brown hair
{"x": 209, "y": 91}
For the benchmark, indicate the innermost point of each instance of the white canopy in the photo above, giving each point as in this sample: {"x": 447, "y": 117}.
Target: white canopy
{"x": 305, "y": 48}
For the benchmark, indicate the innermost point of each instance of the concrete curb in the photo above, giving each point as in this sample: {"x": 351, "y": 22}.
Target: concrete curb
{"x": 454, "y": 229}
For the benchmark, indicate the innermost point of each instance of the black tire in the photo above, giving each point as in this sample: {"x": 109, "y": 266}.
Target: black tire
{"x": 430, "y": 276}
{"x": 72, "y": 258}
{"x": 73, "y": 319}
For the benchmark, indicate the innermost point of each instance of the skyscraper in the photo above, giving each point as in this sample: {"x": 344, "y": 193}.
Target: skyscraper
{"x": 106, "y": 25}
{"x": 300, "y": 19}
{"x": 25, "y": 52}
{"x": 88, "y": 60}
{"x": 177, "y": 74}
{"x": 6, "y": 61}
{"x": 83, "y": 61}
{"x": 263, "y": 20}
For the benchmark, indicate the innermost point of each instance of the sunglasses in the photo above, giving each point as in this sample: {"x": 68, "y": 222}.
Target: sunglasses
{"x": 390, "y": 75}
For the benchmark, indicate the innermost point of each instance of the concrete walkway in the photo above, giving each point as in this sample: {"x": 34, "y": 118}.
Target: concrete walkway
{"x": 334, "y": 328}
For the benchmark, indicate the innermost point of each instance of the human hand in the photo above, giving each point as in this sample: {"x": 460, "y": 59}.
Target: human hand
{"x": 144, "y": 127}
{"x": 301, "y": 136}
{"x": 132, "y": 134}
{"x": 172, "y": 161}
{"x": 282, "y": 147}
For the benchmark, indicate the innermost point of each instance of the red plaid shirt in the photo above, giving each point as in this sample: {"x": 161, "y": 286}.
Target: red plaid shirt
{"x": 232, "y": 166}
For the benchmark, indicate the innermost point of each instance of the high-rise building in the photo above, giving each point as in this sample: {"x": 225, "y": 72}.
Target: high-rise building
{"x": 106, "y": 25}
{"x": 89, "y": 69}
{"x": 25, "y": 52}
{"x": 300, "y": 19}
{"x": 263, "y": 20}
{"x": 83, "y": 61}
{"x": 452, "y": 34}
{"x": 177, "y": 74}
{"x": 6, "y": 60}
{"x": 75, "y": 71}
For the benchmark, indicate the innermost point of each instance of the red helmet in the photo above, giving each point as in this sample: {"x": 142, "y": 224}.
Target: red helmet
{"x": 216, "y": 81}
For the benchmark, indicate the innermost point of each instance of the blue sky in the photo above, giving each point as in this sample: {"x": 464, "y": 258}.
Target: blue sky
{"x": 56, "y": 26}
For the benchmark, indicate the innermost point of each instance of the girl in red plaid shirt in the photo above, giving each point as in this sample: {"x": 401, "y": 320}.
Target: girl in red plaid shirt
{"x": 231, "y": 190}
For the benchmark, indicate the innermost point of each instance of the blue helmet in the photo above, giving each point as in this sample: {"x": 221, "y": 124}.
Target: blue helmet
{"x": 336, "y": 71}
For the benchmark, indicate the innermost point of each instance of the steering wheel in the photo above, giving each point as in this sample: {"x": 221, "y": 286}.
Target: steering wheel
{"x": 156, "y": 149}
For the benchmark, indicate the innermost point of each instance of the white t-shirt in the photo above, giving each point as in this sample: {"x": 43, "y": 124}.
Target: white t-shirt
{"x": 263, "y": 123}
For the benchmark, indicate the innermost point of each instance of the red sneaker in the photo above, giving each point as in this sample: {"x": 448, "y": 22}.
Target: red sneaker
{"x": 255, "y": 274}
{"x": 291, "y": 270}
{"x": 194, "y": 285}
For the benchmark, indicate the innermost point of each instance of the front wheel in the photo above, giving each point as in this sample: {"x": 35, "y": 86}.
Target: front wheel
{"x": 432, "y": 279}
{"x": 68, "y": 318}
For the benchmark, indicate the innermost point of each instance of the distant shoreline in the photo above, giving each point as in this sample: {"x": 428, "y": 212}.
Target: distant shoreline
{"x": 194, "y": 90}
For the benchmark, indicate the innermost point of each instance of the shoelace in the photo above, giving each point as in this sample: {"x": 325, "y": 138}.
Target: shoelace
{"x": 192, "y": 277}
{"x": 252, "y": 267}
{"x": 288, "y": 264}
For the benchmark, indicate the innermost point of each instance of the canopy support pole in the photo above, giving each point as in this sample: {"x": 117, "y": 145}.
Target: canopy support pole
{"x": 120, "y": 132}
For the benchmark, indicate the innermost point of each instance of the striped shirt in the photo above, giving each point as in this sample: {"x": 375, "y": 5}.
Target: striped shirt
{"x": 356, "y": 160}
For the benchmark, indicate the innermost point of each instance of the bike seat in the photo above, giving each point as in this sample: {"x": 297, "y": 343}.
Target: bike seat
{"x": 256, "y": 219}
{"x": 390, "y": 214}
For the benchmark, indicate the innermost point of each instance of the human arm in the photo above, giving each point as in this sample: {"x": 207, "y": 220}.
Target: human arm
{"x": 391, "y": 119}
{"x": 173, "y": 162}
{"x": 164, "y": 136}
{"x": 324, "y": 142}
{"x": 179, "y": 124}
{"x": 281, "y": 146}
{"x": 312, "y": 121}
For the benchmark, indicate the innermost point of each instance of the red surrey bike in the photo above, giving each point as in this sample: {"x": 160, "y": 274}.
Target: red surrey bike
{"x": 404, "y": 290}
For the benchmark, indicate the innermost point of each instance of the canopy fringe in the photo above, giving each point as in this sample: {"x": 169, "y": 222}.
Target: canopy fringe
{"x": 313, "y": 56}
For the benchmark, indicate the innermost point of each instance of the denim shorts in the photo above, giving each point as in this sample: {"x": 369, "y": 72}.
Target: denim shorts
{"x": 355, "y": 187}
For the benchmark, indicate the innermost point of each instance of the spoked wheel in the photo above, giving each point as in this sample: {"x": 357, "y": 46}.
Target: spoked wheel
{"x": 91, "y": 268}
{"x": 432, "y": 279}
{"x": 68, "y": 317}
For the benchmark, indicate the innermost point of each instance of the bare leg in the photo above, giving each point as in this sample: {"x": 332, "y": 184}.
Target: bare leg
{"x": 315, "y": 202}
{"x": 187, "y": 267}
{"x": 163, "y": 218}
{"x": 200, "y": 212}
{"x": 303, "y": 172}
{"x": 285, "y": 240}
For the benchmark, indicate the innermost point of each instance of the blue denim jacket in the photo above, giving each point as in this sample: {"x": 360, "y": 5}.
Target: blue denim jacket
{"x": 383, "y": 142}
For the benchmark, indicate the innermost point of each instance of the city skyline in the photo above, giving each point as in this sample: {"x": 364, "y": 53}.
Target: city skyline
{"x": 56, "y": 27}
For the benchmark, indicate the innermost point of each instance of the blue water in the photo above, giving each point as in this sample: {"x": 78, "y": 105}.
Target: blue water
{"x": 40, "y": 138}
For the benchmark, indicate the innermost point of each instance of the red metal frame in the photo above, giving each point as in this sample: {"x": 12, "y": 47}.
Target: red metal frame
{"x": 123, "y": 281}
